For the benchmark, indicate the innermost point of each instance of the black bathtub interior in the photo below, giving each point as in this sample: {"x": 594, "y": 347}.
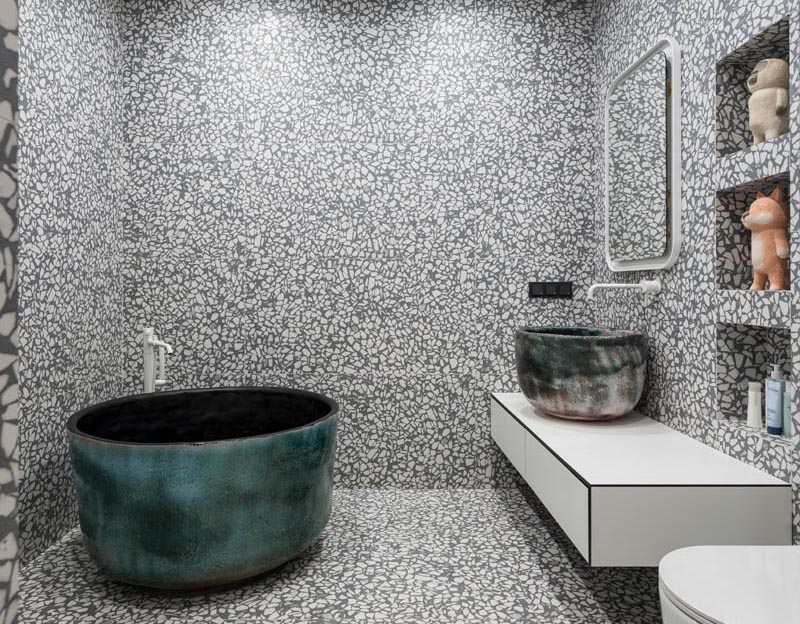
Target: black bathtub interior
{"x": 196, "y": 416}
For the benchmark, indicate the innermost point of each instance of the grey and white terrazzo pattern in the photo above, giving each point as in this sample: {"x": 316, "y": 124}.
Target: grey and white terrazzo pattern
{"x": 351, "y": 197}
{"x": 680, "y": 388}
{"x": 746, "y": 354}
{"x": 771, "y": 158}
{"x": 794, "y": 172}
{"x": 734, "y": 66}
{"x": 734, "y": 268}
{"x": 367, "y": 231}
{"x": 762, "y": 309}
{"x": 346, "y": 196}
{"x": 681, "y": 322}
{"x": 393, "y": 556}
{"x": 9, "y": 374}
{"x": 773, "y": 454}
{"x": 70, "y": 228}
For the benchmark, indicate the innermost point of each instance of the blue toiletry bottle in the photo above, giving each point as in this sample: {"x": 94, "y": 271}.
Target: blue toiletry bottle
{"x": 787, "y": 410}
{"x": 774, "y": 400}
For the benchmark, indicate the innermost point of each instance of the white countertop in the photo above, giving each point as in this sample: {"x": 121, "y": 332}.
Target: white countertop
{"x": 632, "y": 450}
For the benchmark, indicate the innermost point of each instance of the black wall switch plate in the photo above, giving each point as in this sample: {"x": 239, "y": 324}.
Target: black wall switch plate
{"x": 535, "y": 289}
{"x": 550, "y": 290}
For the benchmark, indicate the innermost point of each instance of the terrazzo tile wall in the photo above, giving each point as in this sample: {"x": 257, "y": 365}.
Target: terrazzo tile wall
{"x": 350, "y": 197}
{"x": 733, "y": 265}
{"x": 343, "y": 196}
{"x": 681, "y": 322}
{"x": 9, "y": 387}
{"x": 743, "y": 355}
{"x": 70, "y": 227}
{"x": 733, "y": 131}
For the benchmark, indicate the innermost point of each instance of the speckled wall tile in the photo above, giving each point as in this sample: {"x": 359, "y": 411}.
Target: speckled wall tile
{"x": 347, "y": 196}
{"x": 734, "y": 269}
{"x": 764, "y": 309}
{"x": 746, "y": 354}
{"x": 770, "y": 158}
{"x": 735, "y": 62}
{"x": 9, "y": 388}
{"x": 70, "y": 222}
{"x": 351, "y": 197}
{"x": 681, "y": 322}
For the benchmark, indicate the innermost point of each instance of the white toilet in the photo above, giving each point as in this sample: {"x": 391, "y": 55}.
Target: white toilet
{"x": 731, "y": 585}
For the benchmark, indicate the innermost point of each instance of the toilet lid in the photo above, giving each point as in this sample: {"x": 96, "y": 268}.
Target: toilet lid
{"x": 734, "y": 584}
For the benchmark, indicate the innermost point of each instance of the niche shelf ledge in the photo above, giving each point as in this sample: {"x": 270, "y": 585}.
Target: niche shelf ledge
{"x": 764, "y": 160}
{"x": 757, "y": 308}
{"x": 739, "y": 428}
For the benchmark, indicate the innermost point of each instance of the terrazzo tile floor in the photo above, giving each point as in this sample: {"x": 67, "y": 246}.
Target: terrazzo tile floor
{"x": 398, "y": 556}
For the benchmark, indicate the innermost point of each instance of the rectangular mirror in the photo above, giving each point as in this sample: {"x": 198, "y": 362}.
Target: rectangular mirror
{"x": 642, "y": 158}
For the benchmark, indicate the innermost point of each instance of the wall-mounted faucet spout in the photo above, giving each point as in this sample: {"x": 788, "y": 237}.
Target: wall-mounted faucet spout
{"x": 155, "y": 360}
{"x": 646, "y": 287}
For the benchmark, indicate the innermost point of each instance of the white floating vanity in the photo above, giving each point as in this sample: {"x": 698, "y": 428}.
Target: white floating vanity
{"x": 628, "y": 491}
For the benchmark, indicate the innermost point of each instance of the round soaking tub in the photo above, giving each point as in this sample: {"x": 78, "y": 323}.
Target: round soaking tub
{"x": 189, "y": 489}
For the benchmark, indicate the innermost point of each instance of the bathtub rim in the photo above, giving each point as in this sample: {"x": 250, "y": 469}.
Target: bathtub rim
{"x": 72, "y": 423}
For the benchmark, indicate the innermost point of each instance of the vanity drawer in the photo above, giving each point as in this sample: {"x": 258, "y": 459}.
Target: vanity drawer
{"x": 510, "y": 436}
{"x": 562, "y": 492}
{"x": 619, "y": 493}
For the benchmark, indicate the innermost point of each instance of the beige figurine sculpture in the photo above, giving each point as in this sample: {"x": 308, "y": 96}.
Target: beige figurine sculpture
{"x": 769, "y": 102}
{"x": 768, "y": 220}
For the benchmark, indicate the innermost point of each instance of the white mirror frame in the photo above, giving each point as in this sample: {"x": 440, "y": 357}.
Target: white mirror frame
{"x": 671, "y": 50}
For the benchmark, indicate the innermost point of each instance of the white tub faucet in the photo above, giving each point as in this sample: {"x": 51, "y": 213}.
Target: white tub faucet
{"x": 155, "y": 360}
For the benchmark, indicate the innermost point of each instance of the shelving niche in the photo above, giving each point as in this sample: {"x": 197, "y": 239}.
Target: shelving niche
{"x": 733, "y": 132}
{"x": 745, "y": 353}
{"x": 734, "y": 269}
{"x": 753, "y": 329}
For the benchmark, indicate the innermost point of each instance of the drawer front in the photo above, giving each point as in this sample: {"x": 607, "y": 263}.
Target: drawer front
{"x": 636, "y": 526}
{"x": 509, "y": 436}
{"x": 564, "y": 494}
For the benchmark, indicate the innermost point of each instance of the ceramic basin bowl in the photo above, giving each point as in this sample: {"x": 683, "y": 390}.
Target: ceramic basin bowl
{"x": 581, "y": 373}
{"x": 198, "y": 488}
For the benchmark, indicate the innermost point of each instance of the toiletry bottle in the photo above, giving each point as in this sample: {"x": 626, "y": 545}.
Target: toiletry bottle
{"x": 754, "y": 405}
{"x": 787, "y": 410}
{"x": 774, "y": 400}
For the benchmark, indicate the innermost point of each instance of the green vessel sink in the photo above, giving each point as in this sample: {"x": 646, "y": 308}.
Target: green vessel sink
{"x": 582, "y": 373}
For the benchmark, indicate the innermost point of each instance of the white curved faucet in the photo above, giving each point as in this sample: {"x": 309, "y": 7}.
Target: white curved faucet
{"x": 155, "y": 360}
{"x": 646, "y": 287}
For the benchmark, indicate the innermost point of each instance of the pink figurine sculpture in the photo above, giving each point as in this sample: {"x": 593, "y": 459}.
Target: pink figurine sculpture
{"x": 768, "y": 220}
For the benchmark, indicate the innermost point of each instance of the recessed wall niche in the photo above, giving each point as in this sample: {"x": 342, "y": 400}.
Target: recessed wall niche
{"x": 733, "y": 129}
{"x": 734, "y": 270}
{"x": 746, "y": 353}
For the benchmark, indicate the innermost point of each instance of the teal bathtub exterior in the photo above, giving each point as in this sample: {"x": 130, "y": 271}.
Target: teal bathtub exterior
{"x": 191, "y": 514}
